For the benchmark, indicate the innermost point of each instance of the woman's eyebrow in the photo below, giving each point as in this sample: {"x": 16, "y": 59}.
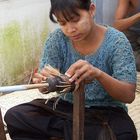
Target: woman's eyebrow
{"x": 60, "y": 20}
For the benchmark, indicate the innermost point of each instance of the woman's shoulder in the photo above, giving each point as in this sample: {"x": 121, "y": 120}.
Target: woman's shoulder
{"x": 57, "y": 34}
{"x": 115, "y": 37}
{"x": 114, "y": 33}
{"x": 116, "y": 41}
{"x": 56, "y": 39}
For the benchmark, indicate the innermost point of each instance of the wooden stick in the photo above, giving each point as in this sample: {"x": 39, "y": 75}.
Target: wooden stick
{"x": 6, "y": 89}
{"x": 78, "y": 113}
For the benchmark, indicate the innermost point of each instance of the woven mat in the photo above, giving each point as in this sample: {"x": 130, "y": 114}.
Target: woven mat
{"x": 134, "y": 108}
{"x": 8, "y": 101}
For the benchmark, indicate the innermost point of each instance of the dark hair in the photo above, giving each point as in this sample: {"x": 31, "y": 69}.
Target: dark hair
{"x": 67, "y": 7}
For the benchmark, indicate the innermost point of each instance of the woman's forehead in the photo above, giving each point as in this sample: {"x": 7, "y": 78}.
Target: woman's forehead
{"x": 66, "y": 14}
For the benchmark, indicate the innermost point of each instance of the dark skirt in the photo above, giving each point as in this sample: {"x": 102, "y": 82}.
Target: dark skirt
{"x": 38, "y": 121}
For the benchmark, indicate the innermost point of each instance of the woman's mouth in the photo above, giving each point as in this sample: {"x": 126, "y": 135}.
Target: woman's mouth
{"x": 76, "y": 37}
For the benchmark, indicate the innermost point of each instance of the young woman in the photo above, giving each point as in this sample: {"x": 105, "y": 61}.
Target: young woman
{"x": 85, "y": 51}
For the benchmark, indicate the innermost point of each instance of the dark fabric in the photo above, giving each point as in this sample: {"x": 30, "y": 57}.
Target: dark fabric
{"x": 38, "y": 121}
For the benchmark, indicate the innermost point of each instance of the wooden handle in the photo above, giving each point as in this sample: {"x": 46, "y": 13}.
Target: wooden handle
{"x": 78, "y": 113}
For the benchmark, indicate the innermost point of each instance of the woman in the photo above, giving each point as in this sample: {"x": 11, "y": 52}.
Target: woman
{"x": 85, "y": 51}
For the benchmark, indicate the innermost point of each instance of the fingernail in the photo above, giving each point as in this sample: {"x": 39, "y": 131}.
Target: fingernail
{"x": 44, "y": 78}
{"x": 68, "y": 75}
{"x": 71, "y": 80}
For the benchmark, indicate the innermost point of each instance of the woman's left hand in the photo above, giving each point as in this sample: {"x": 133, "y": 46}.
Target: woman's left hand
{"x": 82, "y": 71}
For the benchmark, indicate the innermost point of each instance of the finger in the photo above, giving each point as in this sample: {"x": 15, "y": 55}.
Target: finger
{"x": 36, "y": 80}
{"x": 38, "y": 76}
{"x": 71, "y": 71}
{"x": 75, "y": 76}
{"x": 86, "y": 74}
{"x": 78, "y": 74}
{"x": 84, "y": 69}
{"x": 44, "y": 73}
{"x": 83, "y": 77}
{"x": 77, "y": 65}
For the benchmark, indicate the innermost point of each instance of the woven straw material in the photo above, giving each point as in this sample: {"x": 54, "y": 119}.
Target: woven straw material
{"x": 134, "y": 108}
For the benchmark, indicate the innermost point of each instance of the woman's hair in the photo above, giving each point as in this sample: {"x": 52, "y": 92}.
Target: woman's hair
{"x": 67, "y": 8}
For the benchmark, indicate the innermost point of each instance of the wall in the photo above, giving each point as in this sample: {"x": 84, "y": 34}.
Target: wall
{"x": 105, "y": 11}
{"x": 24, "y": 25}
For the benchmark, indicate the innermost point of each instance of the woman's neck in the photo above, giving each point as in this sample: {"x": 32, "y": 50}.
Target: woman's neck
{"x": 92, "y": 42}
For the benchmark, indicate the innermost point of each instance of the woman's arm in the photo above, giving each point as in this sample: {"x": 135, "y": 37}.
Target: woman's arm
{"x": 119, "y": 90}
{"x": 51, "y": 55}
{"x": 120, "y": 83}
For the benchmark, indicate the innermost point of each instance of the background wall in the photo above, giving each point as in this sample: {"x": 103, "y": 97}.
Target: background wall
{"x": 105, "y": 10}
{"x": 24, "y": 25}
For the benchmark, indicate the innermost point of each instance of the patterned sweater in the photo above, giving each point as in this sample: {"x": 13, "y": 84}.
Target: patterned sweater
{"x": 114, "y": 56}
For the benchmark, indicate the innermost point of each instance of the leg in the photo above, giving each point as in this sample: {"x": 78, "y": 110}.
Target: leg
{"x": 30, "y": 122}
{"x": 122, "y": 125}
{"x": 107, "y": 123}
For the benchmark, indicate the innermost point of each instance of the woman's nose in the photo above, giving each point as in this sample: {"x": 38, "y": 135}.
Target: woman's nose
{"x": 70, "y": 28}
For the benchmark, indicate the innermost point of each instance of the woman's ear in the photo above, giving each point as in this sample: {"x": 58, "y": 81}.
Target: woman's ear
{"x": 92, "y": 9}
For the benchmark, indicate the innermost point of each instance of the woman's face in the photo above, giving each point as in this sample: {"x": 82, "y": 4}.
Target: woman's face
{"x": 78, "y": 27}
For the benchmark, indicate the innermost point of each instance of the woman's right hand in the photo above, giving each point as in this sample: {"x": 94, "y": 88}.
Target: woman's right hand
{"x": 42, "y": 76}
{"x": 39, "y": 78}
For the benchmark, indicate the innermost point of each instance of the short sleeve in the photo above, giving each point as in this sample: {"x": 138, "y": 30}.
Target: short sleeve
{"x": 122, "y": 60}
{"x": 52, "y": 54}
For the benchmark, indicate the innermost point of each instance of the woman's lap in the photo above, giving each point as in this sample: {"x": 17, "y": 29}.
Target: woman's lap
{"x": 36, "y": 120}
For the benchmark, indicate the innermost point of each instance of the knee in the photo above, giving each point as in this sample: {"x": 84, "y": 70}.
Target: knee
{"x": 10, "y": 115}
{"x": 127, "y": 136}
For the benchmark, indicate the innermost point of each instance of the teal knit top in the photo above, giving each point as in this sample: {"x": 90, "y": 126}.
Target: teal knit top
{"x": 115, "y": 57}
